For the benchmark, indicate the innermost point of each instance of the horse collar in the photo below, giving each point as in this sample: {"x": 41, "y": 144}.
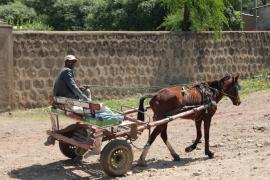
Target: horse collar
{"x": 206, "y": 92}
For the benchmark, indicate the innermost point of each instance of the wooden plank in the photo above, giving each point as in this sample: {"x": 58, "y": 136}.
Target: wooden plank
{"x": 60, "y": 137}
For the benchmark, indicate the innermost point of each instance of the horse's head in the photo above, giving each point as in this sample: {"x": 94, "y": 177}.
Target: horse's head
{"x": 230, "y": 88}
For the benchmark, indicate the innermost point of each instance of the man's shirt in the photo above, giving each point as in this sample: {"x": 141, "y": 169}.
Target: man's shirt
{"x": 65, "y": 85}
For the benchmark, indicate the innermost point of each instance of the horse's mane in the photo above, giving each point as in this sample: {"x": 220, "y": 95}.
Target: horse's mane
{"x": 218, "y": 84}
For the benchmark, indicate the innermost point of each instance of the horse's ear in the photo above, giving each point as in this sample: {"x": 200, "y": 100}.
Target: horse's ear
{"x": 236, "y": 77}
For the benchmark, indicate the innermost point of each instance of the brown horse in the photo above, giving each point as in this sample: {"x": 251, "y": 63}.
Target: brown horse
{"x": 170, "y": 101}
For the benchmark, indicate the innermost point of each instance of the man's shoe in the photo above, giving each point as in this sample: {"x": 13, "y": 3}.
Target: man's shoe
{"x": 50, "y": 141}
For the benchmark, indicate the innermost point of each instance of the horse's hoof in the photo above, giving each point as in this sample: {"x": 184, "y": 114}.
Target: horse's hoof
{"x": 210, "y": 155}
{"x": 141, "y": 163}
{"x": 189, "y": 149}
{"x": 176, "y": 158}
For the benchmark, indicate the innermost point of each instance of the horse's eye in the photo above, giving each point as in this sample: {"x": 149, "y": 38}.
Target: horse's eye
{"x": 238, "y": 87}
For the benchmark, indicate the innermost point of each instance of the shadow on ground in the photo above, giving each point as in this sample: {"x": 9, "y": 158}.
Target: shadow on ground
{"x": 165, "y": 164}
{"x": 68, "y": 169}
{"x": 65, "y": 169}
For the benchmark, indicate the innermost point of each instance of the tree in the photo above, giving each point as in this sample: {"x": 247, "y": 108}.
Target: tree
{"x": 195, "y": 15}
{"x": 6, "y": 1}
{"x": 125, "y": 15}
{"x": 40, "y": 6}
{"x": 233, "y": 16}
{"x": 69, "y": 14}
{"x": 105, "y": 15}
{"x": 62, "y": 14}
{"x": 17, "y": 13}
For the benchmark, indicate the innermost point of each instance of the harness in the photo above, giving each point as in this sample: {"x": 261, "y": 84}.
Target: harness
{"x": 204, "y": 89}
{"x": 207, "y": 94}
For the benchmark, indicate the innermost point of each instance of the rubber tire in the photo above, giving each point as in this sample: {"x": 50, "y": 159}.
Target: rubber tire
{"x": 126, "y": 156}
{"x": 67, "y": 149}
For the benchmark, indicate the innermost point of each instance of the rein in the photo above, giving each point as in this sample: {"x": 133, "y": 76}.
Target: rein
{"x": 222, "y": 92}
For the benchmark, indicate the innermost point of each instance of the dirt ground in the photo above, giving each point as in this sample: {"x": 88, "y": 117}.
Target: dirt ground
{"x": 239, "y": 136}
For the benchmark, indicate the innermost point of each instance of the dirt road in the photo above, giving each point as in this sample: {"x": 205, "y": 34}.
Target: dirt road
{"x": 239, "y": 136}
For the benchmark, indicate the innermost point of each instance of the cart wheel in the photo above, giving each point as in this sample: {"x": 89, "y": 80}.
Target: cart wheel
{"x": 70, "y": 150}
{"x": 116, "y": 158}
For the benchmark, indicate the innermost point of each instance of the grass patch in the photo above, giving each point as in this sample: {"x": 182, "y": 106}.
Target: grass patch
{"x": 125, "y": 103}
{"x": 29, "y": 114}
{"x": 259, "y": 82}
{"x": 122, "y": 104}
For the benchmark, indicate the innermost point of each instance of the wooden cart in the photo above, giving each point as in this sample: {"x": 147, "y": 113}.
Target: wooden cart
{"x": 82, "y": 139}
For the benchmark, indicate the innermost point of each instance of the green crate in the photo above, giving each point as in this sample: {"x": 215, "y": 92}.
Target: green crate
{"x": 101, "y": 122}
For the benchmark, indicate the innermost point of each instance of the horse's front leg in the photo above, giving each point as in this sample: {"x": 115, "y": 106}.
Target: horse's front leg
{"x": 198, "y": 123}
{"x": 154, "y": 134}
{"x": 164, "y": 137}
{"x": 207, "y": 123}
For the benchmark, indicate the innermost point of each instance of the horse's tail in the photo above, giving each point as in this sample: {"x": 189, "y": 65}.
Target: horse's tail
{"x": 141, "y": 110}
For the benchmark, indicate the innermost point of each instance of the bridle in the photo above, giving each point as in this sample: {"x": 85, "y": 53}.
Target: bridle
{"x": 237, "y": 86}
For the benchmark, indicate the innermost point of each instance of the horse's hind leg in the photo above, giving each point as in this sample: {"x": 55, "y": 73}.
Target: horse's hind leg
{"x": 198, "y": 123}
{"x": 207, "y": 123}
{"x": 169, "y": 146}
{"x": 154, "y": 134}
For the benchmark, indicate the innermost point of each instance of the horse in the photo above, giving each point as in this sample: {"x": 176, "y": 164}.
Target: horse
{"x": 172, "y": 100}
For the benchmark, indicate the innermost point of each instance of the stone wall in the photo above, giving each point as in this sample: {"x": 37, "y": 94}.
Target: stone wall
{"x": 6, "y": 66}
{"x": 122, "y": 59}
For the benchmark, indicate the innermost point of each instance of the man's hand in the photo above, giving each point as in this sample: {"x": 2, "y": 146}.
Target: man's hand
{"x": 84, "y": 87}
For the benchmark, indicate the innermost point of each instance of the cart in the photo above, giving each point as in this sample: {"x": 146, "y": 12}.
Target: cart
{"x": 84, "y": 137}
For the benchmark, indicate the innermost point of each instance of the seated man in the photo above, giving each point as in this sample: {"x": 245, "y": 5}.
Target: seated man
{"x": 65, "y": 85}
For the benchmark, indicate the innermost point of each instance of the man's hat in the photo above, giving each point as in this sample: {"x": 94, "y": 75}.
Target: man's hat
{"x": 70, "y": 58}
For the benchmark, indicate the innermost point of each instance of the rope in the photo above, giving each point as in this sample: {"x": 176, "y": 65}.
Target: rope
{"x": 136, "y": 87}
{"x": 222, "y": 92}
{"x": 136, "y": 147}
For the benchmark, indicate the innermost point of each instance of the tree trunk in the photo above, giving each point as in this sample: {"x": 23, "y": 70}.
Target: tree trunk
{"x": 186, "y": 21}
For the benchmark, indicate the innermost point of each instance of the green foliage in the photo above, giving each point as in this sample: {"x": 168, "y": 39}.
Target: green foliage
{"x": 235, "y": 4}
{"x": 69, "y": 14}
{"x": 105, "y": 15}
{"x": 6, "y": 1}
{"x": 62, "y": 14}
{"x": 33, "y": 26}
{"x": 40, "y": 6}
{"x": 177, "y": 15}
{"x": 234, "y": 17}
{"x": 17, "y": 13}
{"x": 198, "y": 15}
{"x": 125, "y": 15}
{"x": 258, "y": 82}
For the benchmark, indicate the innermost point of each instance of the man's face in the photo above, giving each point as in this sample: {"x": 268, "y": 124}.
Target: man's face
{"x": 71, "y": 64}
